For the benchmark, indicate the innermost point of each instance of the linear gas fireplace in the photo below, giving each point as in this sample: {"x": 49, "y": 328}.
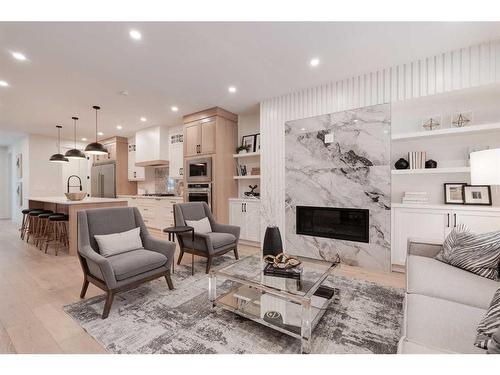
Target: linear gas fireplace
{"x": 341, "y": 223}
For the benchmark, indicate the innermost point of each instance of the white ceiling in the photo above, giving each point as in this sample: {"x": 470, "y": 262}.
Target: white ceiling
{"x": 72, "y": 66}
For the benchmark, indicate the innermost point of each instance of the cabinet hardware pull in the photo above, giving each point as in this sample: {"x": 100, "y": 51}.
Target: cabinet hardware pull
{"x": 455, "y": 221}
{"x": 448, "y": 221}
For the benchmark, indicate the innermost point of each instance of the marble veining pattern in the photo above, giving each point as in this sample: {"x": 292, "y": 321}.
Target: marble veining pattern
{"x": 353, "y": 171}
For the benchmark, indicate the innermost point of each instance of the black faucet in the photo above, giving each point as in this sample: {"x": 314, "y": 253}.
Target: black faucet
{"x": 79, "y": 179}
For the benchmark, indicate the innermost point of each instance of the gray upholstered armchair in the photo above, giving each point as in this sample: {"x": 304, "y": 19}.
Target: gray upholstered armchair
{"x": 222, "y": 239}
{"x": 123, "y": 271}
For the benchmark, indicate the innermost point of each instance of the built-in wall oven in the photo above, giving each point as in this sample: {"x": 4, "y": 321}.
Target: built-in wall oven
{"x": 201, "y": 192}
{"x": 199, "y": 170}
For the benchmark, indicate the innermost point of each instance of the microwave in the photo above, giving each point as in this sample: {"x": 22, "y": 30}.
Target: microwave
{"x": 199, "y": 170}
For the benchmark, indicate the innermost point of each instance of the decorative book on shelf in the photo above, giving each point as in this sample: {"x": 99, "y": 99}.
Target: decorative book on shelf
{"x": 416, "y": 159}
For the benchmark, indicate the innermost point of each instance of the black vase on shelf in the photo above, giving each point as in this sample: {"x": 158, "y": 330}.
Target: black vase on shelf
{"x": 431, "y": 164}
{"x": 402, "y": 164}
{"x": 272, "y": 241}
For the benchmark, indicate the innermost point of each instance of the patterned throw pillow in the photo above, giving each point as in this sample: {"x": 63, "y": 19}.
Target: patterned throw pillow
{"x": 490, "y": 323}
{"x": 477, "y": 253}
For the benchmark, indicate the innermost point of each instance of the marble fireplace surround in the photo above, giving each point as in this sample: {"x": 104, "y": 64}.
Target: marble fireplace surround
{"x": 353, "y": 171}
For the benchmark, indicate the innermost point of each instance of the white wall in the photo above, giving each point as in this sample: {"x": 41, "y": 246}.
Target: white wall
{"x": 454, "y": 70}
{"x": 5, "y": 184}
{"x": 248, "y": 124}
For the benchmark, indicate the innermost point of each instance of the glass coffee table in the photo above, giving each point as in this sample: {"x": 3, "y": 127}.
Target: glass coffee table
{"x": 292, "y": 306}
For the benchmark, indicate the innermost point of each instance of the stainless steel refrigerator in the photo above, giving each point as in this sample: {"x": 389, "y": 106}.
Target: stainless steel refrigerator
{"x": 103, "y": 181}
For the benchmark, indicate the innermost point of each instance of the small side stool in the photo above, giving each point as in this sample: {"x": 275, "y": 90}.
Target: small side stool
{"x": 176, "y": 231}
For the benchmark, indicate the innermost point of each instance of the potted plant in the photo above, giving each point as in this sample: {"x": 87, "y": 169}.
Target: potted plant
{"x": 243, "y": 149}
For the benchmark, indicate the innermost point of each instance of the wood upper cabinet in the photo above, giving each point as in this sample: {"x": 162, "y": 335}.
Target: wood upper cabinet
{"x": 207, "y": 144}
{"x": 192, "y": 139}
{"x": 200, "y": 138}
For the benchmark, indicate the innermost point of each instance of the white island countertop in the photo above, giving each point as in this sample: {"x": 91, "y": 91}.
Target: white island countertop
{"x": 86, "y": 200}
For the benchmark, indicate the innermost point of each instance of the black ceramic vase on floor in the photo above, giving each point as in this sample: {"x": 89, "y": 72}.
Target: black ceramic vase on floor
{"x": 272, "y": 242}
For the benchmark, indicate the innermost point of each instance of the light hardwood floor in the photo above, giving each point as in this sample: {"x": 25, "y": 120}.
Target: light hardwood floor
{"x": 35, "y": 286}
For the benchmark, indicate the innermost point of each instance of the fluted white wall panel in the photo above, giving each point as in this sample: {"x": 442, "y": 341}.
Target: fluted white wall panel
{"x": 467, "y": 67}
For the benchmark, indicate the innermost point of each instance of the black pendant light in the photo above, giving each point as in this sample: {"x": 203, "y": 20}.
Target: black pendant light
{"x": 58, "y": 158}
{"x": 95, "y": 148}
{"x": 75, "y": 153}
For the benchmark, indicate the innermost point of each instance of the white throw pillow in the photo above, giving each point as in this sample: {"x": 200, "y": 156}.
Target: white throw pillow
{"x": 200, "y": 226}
{"x": 117, "y": 243}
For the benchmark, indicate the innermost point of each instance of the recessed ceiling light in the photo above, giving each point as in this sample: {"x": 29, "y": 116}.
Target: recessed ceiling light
{"x": 119, "y": 127}
{"x": 174, "y": 108}
{"x": 231, "y": 89}
{"x": 4, "y": 84}
{"x": 134, "y": 34}
{"x": 18, "y": 56}
{"x": 100, "y": 133}
{"x": 144, "y": 119}
{"x": 314, "y": 62}
{"x": 84, "y": 139}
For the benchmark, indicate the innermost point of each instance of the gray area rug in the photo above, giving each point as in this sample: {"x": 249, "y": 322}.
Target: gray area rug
{"x": 153, "y": 319}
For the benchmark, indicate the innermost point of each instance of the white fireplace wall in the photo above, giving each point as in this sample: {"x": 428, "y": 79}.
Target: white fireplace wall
{"x": 341, "y": 160}
{"x": 471, "y": 66}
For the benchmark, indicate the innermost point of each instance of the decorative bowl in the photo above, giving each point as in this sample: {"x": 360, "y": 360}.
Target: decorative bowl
{"x": 76, "y": 196}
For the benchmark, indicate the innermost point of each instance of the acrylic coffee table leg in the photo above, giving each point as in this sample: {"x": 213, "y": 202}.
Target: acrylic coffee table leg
{"x": 305, "y": 346}
{"x": 212, "y": 289}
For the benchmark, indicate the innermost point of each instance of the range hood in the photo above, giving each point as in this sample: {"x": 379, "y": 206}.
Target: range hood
{"x": 152, "y": 163}
{"x": 152, "y": 147}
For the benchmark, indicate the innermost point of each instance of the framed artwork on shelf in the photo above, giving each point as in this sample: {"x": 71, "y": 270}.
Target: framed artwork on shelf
{"x": 477, "y": 195}
{"x": 257, "y": 142}
{"x": 454, "y": 193}
{"x": 249, "y": 141}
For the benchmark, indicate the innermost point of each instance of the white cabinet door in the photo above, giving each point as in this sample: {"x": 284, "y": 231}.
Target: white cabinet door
{"x": 252, "y": 220}
{"x": 417, "y": 223}
{"x": 236, "y": 217}
{"x": 478, "y": 221}
{"x": 176, "y": 160}
{"x": 131, "y": 162}
{"x": 134, "y": 173}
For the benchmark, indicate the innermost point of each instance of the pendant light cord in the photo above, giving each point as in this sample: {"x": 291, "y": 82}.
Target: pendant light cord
{"x": 59, "y": 138}
{"x": 74, "y": 132}
{"x": 96, "y": 125}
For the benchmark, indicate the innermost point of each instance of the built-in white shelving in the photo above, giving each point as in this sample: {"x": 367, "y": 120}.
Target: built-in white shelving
{"x": 447, "y": 132}
{"x": 432, "y": 170}
{"x": 246, "y": 155}
{"x": 247, "y": 177}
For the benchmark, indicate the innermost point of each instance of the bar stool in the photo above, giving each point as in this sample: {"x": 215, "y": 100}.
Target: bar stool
{"x": 41, "y": 230}
{"x": 58, "y": 232}
{"x": 32, "y": 222}
{"x": 24, "y": 224}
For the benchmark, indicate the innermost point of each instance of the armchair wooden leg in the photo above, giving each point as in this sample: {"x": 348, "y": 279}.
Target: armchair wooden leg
{"x": 169, "y": 282}
{"x": 236, "y": 253}
{"x": 209, "y": 263}
{"x": 107, "y": 305}
{"x": 180, "y": 256}
{"x": 84, "y": 288}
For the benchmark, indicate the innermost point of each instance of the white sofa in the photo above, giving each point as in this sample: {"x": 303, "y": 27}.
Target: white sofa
{"x": 443, "y": 304}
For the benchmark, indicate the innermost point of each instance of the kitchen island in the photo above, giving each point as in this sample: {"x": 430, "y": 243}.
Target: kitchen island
{"x": 62, "y": 204}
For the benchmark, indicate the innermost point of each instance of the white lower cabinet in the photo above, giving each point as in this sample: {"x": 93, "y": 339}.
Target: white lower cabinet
{"x": 157, "y": 213}
{"x": 435, "y": 223}
{"x": 246, "y": 214}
